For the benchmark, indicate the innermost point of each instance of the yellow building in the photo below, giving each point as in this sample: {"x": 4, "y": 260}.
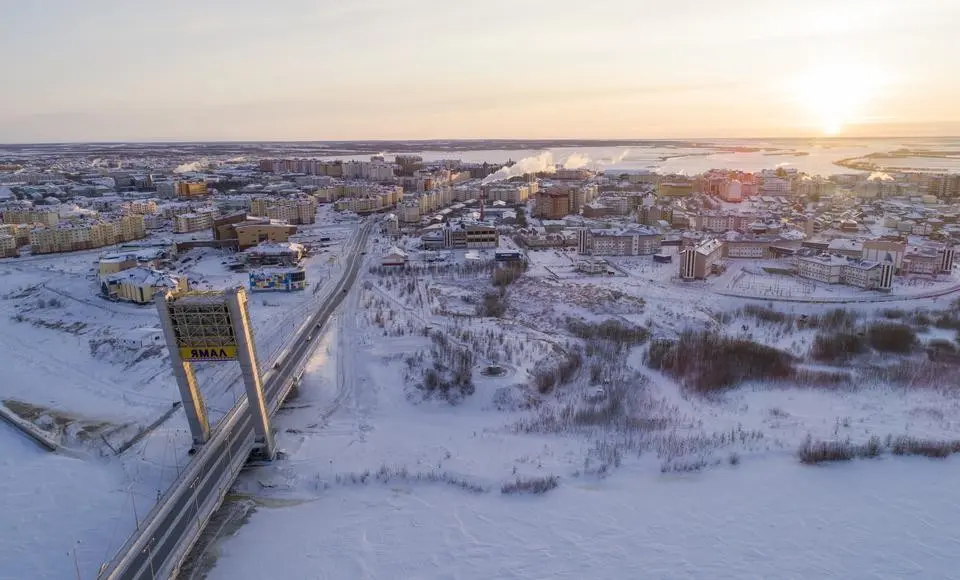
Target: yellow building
{"x": 193, "y": 222}
{"x": 114, "y": 264}
{"x": 674, "y": 189}
{"x": 294, "y": 211}
{"x": 84, "y": 235}
{"x": 250, "y": 235}
{"x": 142, "y": 207}
{"x": 19, "y": 232}
{"x": 8, "y": 246}
{"x": 47, "y": 217}
{"x": 139, "y": 284}
{"x": 191, "y": 189}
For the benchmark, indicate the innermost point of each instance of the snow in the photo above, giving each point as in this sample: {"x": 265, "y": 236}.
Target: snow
{"x": 888, "y": 519}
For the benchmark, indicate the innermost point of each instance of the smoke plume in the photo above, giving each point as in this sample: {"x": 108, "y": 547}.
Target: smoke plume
{"x": 542, "y": 163}
{"x": 616, "y": 158}
{"x": 198, "y": 165}
{"x": 576, "y": 161}
{"x": 879, "y": 176}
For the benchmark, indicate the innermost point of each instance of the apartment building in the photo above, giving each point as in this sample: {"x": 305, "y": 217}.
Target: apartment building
{"x": 19, "y": 232}
{"x": 372, "y": 170}
{"x": 635, "y": 241}
{"x": 698, "y": 262}
{"x": 674, "y": 189}
{"x": 41, "y": 215}
{"x": 141, "y": 207}
{"x": 8, "y": 246}
{"x": 721, "y": 221}
{"x": 408, "y": 212}
{"x": 85, "y": 235}
{"x": 195, "y": 221}
{"x": 581, "y": 196}
{"x": 294, "y": 211}
{"x": 552, "y": 204}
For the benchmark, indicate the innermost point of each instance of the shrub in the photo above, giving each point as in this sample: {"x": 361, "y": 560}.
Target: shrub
{"x": 891, "y": 337}
{"x": 534, "y": 485}
{"x": 834, "y": 320}
{"x": 508, "y": 274}
{"x": 494, "y": 305}
{"x": 611, "y": 330}
{"x": 815, "y": 452}
{"x": 947, "y": 320}
{"x": 942, "y": 345}
{"x": 837, "y": 346}
{"x": 904, "y": 445}
{"x": 768, "y": 315}
{"x": 707, "y": 361}
{"x": 893, "y": 313}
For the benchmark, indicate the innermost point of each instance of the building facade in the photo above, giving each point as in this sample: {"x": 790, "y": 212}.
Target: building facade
{"x": 635, "y": 241}
{"x": 698, "y": 262}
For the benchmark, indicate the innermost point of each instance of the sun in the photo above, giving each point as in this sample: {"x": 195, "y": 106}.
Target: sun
{"x": 834, "y": 96}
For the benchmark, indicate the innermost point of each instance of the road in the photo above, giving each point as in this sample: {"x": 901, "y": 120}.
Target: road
{"x": 165, "y": 537}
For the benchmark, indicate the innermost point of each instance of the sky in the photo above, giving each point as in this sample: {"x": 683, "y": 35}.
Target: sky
{"x": 115, "y": 70}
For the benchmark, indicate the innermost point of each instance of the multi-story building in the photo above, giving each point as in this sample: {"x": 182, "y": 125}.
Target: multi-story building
{"x": 580, "y": 196}
{"x": 774, "y": 186}
{"x": 552, "y": 204}
{"x": 756, "y": 248}
{"x": 834, "y": 269}
{"x": 408, "y": 163}
{"x": 945, "y": 185}
{"x": 195, "y": 221}
{"x": 8, "y": 246}
{"x": 635, "y": 241}
{"x": 84, "y": 235}
{"x": 272, "y": 253}
{"x": 294, "y": 211}
{"x": 41, "y": 215}
{"x": 408, "y": 212}
{"x": 188, "y": 189}
{"x": 471, "y": 235}
{"x": 698, "y": 262}
{"x": 139, "y": 284}
{"x": 251, "y": 234}
{"x": 674, "y": 189}
{"x": 141, "y": 207}
{"x": 372, "y": 170}
{"x": 462, "y": 234}
{"x": 19, "y": 232}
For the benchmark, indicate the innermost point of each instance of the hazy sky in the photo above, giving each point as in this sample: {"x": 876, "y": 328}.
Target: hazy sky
{"x": 105, "y": 70}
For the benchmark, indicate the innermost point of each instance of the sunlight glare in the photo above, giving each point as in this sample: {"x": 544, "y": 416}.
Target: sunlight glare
{"x": 837, "y": 95}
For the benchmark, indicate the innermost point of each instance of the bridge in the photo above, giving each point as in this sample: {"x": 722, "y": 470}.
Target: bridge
{"x": 169, "y": 531}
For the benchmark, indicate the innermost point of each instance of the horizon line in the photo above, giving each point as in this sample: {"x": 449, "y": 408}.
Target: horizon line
{"x": 478, "y": 139}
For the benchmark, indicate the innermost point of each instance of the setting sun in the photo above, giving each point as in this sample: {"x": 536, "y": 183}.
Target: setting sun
{"x": 836, "y": 96}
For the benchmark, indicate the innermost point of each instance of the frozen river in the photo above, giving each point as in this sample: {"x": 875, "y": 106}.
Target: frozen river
{"x": 891, "y": 518}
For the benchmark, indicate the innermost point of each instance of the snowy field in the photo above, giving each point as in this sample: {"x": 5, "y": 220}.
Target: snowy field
{"x": 891, "y": 519}
{"x": 381, "y": 481}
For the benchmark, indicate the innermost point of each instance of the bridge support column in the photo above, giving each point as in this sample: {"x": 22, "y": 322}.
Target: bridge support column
{"x": 247, "y": 357}
{"x": 193, "y": 404}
